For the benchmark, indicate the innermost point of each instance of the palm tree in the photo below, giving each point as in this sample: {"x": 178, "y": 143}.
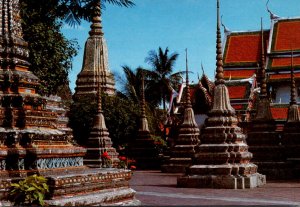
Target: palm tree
{"x": 161, "y": 77}
{"x": 132, "y": 83}
{"x": 132, "y": 86}
{"x": 72, "y": 11}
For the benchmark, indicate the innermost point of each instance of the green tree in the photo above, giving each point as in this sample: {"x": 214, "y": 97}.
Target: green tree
{"x": 132, "y": 84}
{"x": 120, "y": 117}
{"x": 50, "y": 52}
{"x": 161, "y": 77}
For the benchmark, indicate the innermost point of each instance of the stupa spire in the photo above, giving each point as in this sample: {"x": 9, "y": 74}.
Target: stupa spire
{"x": 263, "y": 84}
{"x": 99, "y": 99}
{"x": 263, "y": 110}
{"x": 96, "y": 26}
{"x": 293, "y": 113}
{"x": 188, "y": 93}
{"x": 219, "y": 57}
{"x": 143, "y": 120}
{"x": 293, "y": 84}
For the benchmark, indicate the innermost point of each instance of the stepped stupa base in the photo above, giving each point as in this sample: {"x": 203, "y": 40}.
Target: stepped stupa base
{"x": 220, "y": 178}
{"x": 85, "y": 186}
{"x": 176, "y": 165}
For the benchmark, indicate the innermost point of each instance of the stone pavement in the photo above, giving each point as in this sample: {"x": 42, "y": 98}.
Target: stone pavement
{"x": 156, "y": 188}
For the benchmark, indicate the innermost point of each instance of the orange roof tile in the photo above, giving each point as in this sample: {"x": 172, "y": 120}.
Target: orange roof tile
{"x": 237, "y": 92}
{"x": 284, "y": 61}
{"x": 192, "y": 92}
{"x": 238, "y": 74}
{"x": 286, "y": 35}
{"x": 238, "y": 106}
{"x": 282, "y": 76}
{"x": 279, "y": 113}
{"x": 243, "y": 48}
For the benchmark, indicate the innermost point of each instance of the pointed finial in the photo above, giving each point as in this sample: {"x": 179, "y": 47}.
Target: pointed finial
{"x": 293, "y": 84}
{"x": 219, "y": 58}
{"x": 96, "y": 27}
{"x": 202, "y": 68}
{"x": 272, "y": 15}
{"x": 188, "y": 94}
{"x": 143, "y": 104}
{"x": 263, "y": 84}
{"x": 226, "y": 30}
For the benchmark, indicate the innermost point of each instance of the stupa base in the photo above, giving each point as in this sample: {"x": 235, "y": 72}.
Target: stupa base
{"x": 85, "y": 187}
{"x": 218, "y": 176}
{"x": 176, "y": 165}
{"x": 114, "y": 197}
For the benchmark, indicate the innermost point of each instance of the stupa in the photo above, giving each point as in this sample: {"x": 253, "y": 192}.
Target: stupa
{"x": 263, "y": 139}
{"x": 291, "y": 130}
{"x": 183, "y": 152}
{"x": 99, "y": 140}
{"x": 142, "y": 149}
{"x": 95, "y": 67}
{"x": 32, "y": 143}
{"x": 223, "y": 160}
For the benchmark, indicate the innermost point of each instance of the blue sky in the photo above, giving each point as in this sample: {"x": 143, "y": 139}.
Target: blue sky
{"x": 178, "y": 24}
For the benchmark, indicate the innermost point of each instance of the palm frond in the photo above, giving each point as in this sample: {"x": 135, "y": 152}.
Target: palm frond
{"x": 72, "y": 11}
{"x": 125, "y": 3}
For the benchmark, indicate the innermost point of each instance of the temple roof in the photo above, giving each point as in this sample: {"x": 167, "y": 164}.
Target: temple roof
{"x": 243, "y": 48}
{"x": 238, "y": 91}
{"x": 285, "y": 35}
{"x": 238, "y": 74}
{"x": 279, "y": 112}
{"x": 283, "y": 63}
{"x": 282, "y": 77}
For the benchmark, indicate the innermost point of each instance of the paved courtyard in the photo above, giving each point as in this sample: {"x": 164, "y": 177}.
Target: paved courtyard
{"x": 156, "y": 188}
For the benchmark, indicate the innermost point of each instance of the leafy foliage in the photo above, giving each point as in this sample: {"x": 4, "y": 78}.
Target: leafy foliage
{"x": 72, "y": 11}
{"x": 121, "y": 118}
{"x": 29, "y": 191}
{"x": 50, "y": 52}
{"x": 161, "y": 78}
{"x": 133, "y": 85}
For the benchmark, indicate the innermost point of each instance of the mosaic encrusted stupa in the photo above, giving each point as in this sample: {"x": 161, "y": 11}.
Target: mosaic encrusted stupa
{"x": 31, "y": 137}
{"x": 223, "y": 160}
{"x": 95, "y": 67}
{"x": 183, "y": 152}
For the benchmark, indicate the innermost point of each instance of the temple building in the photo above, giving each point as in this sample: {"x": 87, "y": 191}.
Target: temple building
{"x": 95, "y": 67}
{"x": 242, "y": 52}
